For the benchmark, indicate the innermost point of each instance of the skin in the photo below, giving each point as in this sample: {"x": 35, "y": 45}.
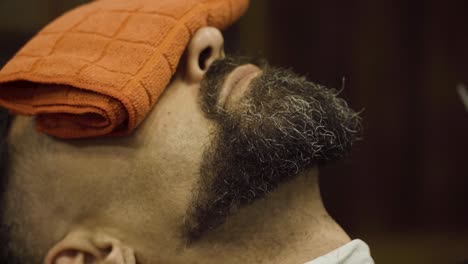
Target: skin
{"x": 124, "y": 200}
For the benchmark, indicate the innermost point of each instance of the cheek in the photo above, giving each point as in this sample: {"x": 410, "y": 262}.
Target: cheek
{"x": 174, "y": 138}
{"x": 178, "y": 130}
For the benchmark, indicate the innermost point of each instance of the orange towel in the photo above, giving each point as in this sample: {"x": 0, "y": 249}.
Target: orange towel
{"x": 100, "y": 68}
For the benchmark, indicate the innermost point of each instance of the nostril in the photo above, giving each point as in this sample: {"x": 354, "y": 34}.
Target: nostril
{"x": 203, "y": 58}
{"x": 107, "y": 249}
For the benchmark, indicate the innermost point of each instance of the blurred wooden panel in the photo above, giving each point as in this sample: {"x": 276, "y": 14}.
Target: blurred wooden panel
{"x": 405, "y": 184}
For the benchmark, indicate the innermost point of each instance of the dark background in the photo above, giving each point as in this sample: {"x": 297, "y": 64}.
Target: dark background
{"x": 403, "y": 188}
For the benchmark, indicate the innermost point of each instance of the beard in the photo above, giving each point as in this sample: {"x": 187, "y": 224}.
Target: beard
{"x": 283, "y": 126}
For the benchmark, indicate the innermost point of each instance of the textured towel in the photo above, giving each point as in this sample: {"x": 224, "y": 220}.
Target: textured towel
{"x": 100, "y": 68}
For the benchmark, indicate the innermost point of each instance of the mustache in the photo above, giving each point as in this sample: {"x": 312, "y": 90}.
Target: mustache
{"x": 215, "y": 77}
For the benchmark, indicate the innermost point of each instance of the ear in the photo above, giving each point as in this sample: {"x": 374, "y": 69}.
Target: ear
{"x": 83, "y": 246}
{"x": 206, "y": 46}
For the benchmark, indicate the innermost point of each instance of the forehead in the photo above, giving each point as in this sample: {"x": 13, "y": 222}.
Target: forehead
{"x": 167, "y": 147}
{"x": 27, "y": 144}
{"x": 51, "y": 169}
{"x": 140, "y": 184}
{"x": 171, "y": 139}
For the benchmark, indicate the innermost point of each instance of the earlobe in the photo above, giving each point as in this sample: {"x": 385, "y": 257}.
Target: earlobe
{"x": 206, "y": 46}
{"x": 82, "y": 247}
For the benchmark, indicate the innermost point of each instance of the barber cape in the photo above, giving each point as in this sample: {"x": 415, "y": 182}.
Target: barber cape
{"x": 355, "y": 252}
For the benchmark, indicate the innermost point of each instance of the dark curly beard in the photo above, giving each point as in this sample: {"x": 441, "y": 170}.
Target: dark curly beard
{"x": 282, "y": 127}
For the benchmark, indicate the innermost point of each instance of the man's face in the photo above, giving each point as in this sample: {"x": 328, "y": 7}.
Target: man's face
{"x": 206, "y": 149}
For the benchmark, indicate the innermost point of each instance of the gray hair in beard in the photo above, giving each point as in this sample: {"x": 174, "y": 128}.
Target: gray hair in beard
{"x": 282, "y": 127}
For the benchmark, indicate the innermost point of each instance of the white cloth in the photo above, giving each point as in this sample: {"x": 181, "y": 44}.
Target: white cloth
{"x": 355, "y": 252}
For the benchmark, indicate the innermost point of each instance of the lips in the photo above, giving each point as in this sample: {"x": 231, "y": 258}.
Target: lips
{"x": 237, "y": 83}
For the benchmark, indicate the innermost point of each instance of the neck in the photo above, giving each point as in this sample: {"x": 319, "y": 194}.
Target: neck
{"x": 290, "y": 225}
